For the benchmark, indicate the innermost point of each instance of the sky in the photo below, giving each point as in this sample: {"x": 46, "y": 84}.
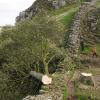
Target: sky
{"x": 9, "y": 9}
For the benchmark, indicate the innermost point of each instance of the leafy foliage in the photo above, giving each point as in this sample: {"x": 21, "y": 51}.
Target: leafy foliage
{"x": 30, "y": 45}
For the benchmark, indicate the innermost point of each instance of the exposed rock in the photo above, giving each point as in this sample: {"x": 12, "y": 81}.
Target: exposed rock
{"x": 42, "y": 4}
{"x": 33, "y": 10}
{"x": 58, "y": 3}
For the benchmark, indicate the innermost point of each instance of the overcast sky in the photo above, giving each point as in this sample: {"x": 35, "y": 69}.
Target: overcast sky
{"x": 9, "y": 9}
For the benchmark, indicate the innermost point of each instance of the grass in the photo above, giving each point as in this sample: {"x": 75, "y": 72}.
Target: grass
{"x": 65, "y": 94}
{"x": 95, "y": 71}
{"x": 67, "y": 20}
{"x": 88, "y": 93}
{"x": 82, "y": 97}
{"x": 98, "y": 3}
{"x": 98, "y": 48}
{"x": 63, "y": 9}
{"x": 88, "y": 49}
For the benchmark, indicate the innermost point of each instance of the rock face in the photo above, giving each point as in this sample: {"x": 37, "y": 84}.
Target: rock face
{"x": 60, "y": 3}
{"x": 42, "y": 4}
{"x": 75, "y": 34}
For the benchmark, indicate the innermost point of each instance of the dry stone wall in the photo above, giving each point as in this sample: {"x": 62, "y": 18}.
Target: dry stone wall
{"x": 75, "y": 34}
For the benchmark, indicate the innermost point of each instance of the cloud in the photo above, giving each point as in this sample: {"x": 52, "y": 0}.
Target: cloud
{"x": 9, "y": 9}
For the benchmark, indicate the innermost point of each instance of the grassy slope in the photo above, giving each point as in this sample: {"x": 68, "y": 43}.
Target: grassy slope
{"x": 63, "y": 9}
{"x": 66, "y": 15}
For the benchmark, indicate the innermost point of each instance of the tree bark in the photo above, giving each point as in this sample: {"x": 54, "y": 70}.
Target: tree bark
{"x": 43, "y": 78}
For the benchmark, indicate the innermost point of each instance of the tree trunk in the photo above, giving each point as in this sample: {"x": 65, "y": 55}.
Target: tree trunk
{"x": 43, "y": 78}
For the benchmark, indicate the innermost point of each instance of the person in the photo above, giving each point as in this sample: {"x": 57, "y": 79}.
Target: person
{"x": 94, "y": 52}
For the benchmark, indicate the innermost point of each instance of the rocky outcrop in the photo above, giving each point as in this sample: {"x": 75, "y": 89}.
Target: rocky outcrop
{"x": 75, "y": 34}
{"x": 60, "y": 3}
{"x": 42, "y": 4}
{"x": 33, "y": 10}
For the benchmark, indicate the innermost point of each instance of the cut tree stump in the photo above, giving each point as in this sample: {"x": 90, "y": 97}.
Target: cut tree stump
{"x": 46, "y": 80}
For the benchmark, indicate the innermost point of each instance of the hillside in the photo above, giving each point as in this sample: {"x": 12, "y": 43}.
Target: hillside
{"x": 54, "y": 39}
{"x": 46, "y": 5}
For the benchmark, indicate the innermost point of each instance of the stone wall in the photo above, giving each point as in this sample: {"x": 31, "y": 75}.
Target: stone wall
{"x": 75, "y": 34}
